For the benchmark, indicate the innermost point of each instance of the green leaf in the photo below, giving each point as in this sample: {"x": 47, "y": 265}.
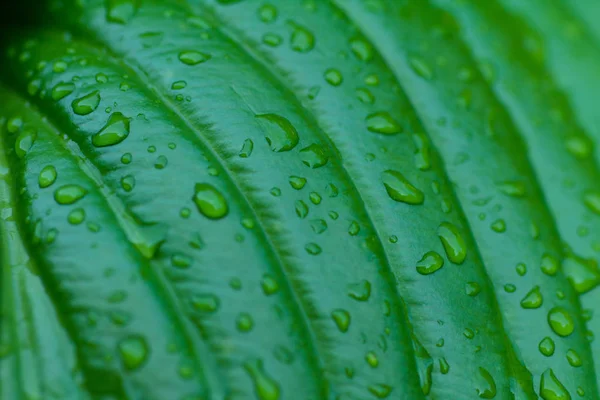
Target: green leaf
{"x": 344, "y": 199}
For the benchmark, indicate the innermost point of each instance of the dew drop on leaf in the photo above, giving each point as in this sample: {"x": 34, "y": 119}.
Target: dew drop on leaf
{"x": 380, "y": 390}
{"x": 279, "y": 132}
{"x": 302, "y": 40}
{"x": 561, "y": 321}
{"x": 24, "y": 142}
{"x": 206, "y": 303}
{"x": 47, "y": 176}
{"x": 244, "y": 322}
{"x": 400, "y": 189}
{"x": 209, "y": 201}
{"x": 547, "y": 346}
{"x": 383, "y": 123}
{"x": 342, "y": 319}
{"x": 267, "y": 13}
{"x": 574, "y": 359}
{"x": 533, "y": 299}
{"x": 76, "y": 217}
{"x": 333, "y": 77}
{"x": 192, "y": 58}
{"x": 69, "y": 194}
{"x": 551, "y": 388}
{"x": 360, "y": 291}
{"x": 313, "y": 249}
{"x": 246, "y": 150}
{"x": 264, "y": 386}
{"x": 133, "y": 351}
{"x": 550, "y": 265}
{"x": 114, "y": 132}
{"x": 269, "y": 285}
{"x": 592, "y": 201}
{"x": 120, "y": 11}
{"x": 583, "y": 274}
{"x": 362, "y": 49}
{"x": 454, "y": 244}
{"x": 313, "y": 156}
{"x": 429, "y": 263}
{"x": 420, "y": 67}
{"x": 62, "y": 90}
{"x": 87, "y": 104}
{"x": 297, "y": 182}
{"x": 486, "y": 386}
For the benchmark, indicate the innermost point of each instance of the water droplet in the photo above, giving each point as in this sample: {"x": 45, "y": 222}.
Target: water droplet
{"x": 279, "y": 132}
{"x": 133, "y": 351}
{"x": 424, "y": 365}
{"x": 101, "y": 78}
{"x": 302, "y": 40}
{"x": 264, "y": 386}
{"x": 371, "y": 359}
{"x": 69, "y": 194}
{"x": 315, "y": 198}
{"x": 47, "y": 176}
{"x": 318, "y": 226}
{"x": 365, "y": 96}
{"x": 561, "y": 321}
{"x": 179, "y": 85}
{"x": 547, "y": 346}
{"x": 454, "y": 244}
{"x": 513, "y": 188}
{"x": 128, "y": 183}
{"x": 362, "y": 49}
{"x": 120, "y": 11}
{"x": 297, "y": 182}
{"x": 360, "y": 291}
{"x": 551, "y": 388}
{"x": 444, "y": 366}
{"x": 498, "y": 226}
{"x": 422, "y": 151}
{"x": 269, "y": 285}
{"x": 533, "y": 299}
{"x": 380, "y": 390}
{"x": 62, "y": 90}
{"x": 574, "y": 359}
{"x": 76, "y": 217}
{"x": 244, "y": 322}
{"x": 313, "y": 156}
{"x": 193, "y": 57}
{"x": 313, "y": 249}
{"x": 114, "y": 132}
{"x": 207, "y": 303}
{"x": 210, "y": 201}
{"x": 86, "y": 104}
{"x": 582, "y": 273}
{"x": 246, "y": 150}
{"x": 579, "y": 146}
{"x": 383, "y": 123}
{"x": 354, "y": 229}
{"x": 301, "y": 209}
{"x": 333, "y": 77}
{"x": 24, "y": 142}
{"x": 486, "y": 386}
{"x": 420, "y": 67}
{"x": 342, "y": 319}
{"x": 14, "y": 125}
{"x": 521, "y": 269}
{"x": 472, "y": 289}
{"x": 550, "y": 265}
{"x": 272, "y": 39}
{"x": 181, "y": 261}
{"x": 429, "y": 263}
{"x": 267, "y": 13}
{"x": 399, "y": 189}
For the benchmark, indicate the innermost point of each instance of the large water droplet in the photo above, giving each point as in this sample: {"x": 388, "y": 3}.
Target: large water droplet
{"x": 264, "y": 386}
{"x": 313, "y": 156}
{"x": 551, "y": 388}
{"x": 133, "y": 351}
{"x": 400, "y": 189}
{"x": 47, "y": 176}
{"x": 193, "y": 57}
{"x": 114, "y": 132}
{"x": 210, "y": 201}
{"x": 486, "y": 386}
{"x": 561, "y": 321}
{"x": 583, "y": 274}
{"x": 279, "y": 132}
{"x": 86, "y": 104}
{"x": 429, "y": 263}
{"x": 383, "y": 123}
{"x": 454, "y": 244}
{"x": 62, "y": 90}
{"x": 533, "y": 299}
{"x": 69, "y": 194}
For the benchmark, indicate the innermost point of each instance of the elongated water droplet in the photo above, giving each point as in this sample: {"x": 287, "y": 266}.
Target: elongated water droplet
{"x": 533, "y": 299}
{"x": 192, "y": 58}
{"x": 209, "y": 201}
{"x": 513, "y": 188}
{"x": 47, "y": 176}
{"x": 551, "y": 388}
{"x": 422, "y": 151}
{"x": 574, "y": 359}
{"x": 114, "y": 132}
{"x": 247, "y": 148}
{"x": 279, "y": 132}
{"x": 207, "y": 303}
{"x": 420, "y": 67}
{"x": 134, "y": 352}
{"x": 264, "y": 386}
{"x": 380, "y": 390}
{"x": 313, "y": 156}
{"x": 24, "y": 142}
{"x": 454, "y": 244}
{"x": 561, "y": 321}
{"x": 383, "y": 123}
{"x": 87, "y": 104}
{"x": 342, "y": 319}
{"x": 301, "y": 209}
{"x": 429, "y": 263}
{"x": 486, "y": 386}
{"x": 313, "y": 249}
{"x": 424, "y": 365}
{"x": 62, "y": 90}
{"x": 69, "y": 194}
{"x": 399, "y": 189}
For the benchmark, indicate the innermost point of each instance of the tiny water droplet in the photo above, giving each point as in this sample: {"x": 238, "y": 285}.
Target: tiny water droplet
{"x": 120, "y": 11}
{"x": 592, "y": 202}
{"x": 269, "y": 285}
{"x": 297, "y": 182}
{"x": 76, "y": 217}
{"x": 362, "y": 49}
{"x": 244, "y": 322}
{"x": 574, "y": 359}
{"x": 420, "y": 67}
{"x": 207, "y": 303}
{"x": 550, "y": 265}
{"x": 192, "y": 58}
{"x": 333, "y": 77}
{"x": 313, "y": 249}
